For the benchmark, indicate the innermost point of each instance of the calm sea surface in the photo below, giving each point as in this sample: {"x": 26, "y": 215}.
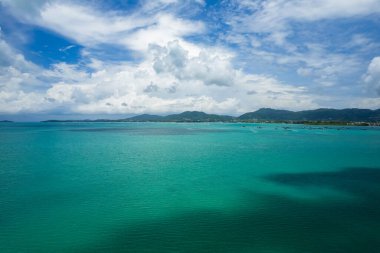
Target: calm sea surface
{"x": 176, "y": 187}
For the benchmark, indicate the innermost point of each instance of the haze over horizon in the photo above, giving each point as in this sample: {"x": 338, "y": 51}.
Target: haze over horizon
{"x": 93, "y": 58}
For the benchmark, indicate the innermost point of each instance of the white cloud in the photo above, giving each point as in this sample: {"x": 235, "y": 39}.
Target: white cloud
{"x": 148, "y": 87}
{"x": 372, "y": 77}
{"x": 304, "y": 71}
{"x": 281, "y": 33}
{"x": 364, "y": 102}
{"x": 19, "y": 101}
{"x": 86, "y": 25}
{"x": 212, "y": 67}
{"x": 10, "y": 57}
{"x": 322, "y": 9}
{"x": 91, "y": 26}
{"x": 207, "y": 81}
{"x": 15, "y": 71}
{"x": 67, "y": 72}
{"x": 274, "y": 15}
{"x": 174, "y": 74}
{"x": 318, "y": 63}
{"x": 167, "y": 28}
{"x": 64, "y": 49}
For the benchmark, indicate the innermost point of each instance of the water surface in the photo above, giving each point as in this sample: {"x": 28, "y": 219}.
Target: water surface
{"x": 188, "y": 187}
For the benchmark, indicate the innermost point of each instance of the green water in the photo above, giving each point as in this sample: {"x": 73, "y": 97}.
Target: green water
{"x": 167, "y": 187}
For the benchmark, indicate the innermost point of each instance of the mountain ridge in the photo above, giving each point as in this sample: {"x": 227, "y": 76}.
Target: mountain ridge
{"x": 260, "y": 115}
{"x": 321, "y": 114}
{"x": 187, "y": 116}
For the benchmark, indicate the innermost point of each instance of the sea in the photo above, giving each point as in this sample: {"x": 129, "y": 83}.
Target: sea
{"x": 88, "y": 187}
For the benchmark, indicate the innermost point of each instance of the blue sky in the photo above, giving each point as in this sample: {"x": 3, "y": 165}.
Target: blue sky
{"x": 96, "y": 57}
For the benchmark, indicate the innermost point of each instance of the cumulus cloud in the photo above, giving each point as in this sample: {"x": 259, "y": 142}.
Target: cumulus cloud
{"x": 15, "y": 71}
{"x": 174, "y": 73}
{"x": 372, "y": 77}
{"x": 168, "y": 80}
{"x": 212, "y": 67}
{"x": 151, "y": 88}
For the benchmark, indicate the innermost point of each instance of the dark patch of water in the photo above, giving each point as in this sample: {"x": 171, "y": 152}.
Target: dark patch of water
{"x": 362, "y": 182}
{"x": 279, "y": 224}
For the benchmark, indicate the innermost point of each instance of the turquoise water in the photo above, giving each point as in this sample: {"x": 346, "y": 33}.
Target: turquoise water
{"x": 176, "y": 187}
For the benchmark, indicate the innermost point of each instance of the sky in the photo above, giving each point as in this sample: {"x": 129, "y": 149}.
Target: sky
{"x": 107, "y": 58}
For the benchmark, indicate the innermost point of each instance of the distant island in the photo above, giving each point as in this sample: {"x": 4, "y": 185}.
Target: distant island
{"x": 321, "y": 116}
{"x": 5, "y": 121}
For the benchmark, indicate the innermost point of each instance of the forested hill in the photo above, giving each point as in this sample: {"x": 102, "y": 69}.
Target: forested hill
{"x": 344, "y": 115}
{"x": 264, "y": 114}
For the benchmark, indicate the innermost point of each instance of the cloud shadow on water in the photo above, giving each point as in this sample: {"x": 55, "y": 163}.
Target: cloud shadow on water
{"x": 361, "y": 182}
{"x": 278, "y": 223}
